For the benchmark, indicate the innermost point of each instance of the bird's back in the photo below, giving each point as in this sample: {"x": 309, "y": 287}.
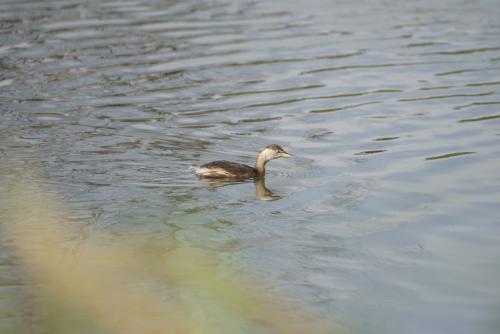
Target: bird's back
{"x": 226, "y": 169}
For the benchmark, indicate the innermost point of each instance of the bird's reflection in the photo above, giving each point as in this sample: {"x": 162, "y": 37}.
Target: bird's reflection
{"x": 261, "y": 191}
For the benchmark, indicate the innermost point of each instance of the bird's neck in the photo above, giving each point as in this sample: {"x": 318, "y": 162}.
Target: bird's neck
{"x": 260, "y": 165}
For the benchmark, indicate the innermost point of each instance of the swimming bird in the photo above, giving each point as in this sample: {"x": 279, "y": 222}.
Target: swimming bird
{"x": 234, "y": 170}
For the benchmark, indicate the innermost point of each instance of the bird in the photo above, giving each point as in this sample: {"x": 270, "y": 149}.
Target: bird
{"x": 222, "y": 169}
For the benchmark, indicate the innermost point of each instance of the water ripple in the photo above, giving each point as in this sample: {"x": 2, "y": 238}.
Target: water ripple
{"x": 448, "y": 155}
{"x": 477, "y": 104}
{"x": 478, "y": 119}
{"x": 350, "y": 106}
{"x": 438, "y": 97}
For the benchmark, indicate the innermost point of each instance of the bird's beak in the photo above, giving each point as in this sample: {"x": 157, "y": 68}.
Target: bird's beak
{"x": 284, "y": 155}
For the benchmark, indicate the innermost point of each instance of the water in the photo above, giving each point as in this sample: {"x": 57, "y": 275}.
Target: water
{"x": 386, "y": 219}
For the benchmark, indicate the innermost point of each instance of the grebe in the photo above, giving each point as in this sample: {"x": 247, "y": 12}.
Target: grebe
{"x": 234, "y": 170}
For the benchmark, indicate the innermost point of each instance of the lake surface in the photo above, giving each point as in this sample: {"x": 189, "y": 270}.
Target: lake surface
{"x": 386, "y": 219}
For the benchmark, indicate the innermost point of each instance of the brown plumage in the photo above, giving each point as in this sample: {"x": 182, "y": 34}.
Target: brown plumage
{"x": 234, "y": 170}
{"x": 229, "y": 168}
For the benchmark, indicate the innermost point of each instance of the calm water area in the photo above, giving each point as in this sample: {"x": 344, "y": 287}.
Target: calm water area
{"x": 385, "y": 220}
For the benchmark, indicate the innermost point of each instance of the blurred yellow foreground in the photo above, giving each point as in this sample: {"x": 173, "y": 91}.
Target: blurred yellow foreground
{"x": 77, "y": 285}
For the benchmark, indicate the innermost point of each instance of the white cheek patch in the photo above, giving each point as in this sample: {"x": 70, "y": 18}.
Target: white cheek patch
{"x": 269, "y": 154}
{"x": 213, "y": 172}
